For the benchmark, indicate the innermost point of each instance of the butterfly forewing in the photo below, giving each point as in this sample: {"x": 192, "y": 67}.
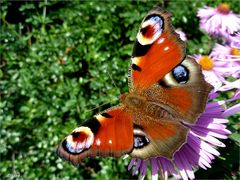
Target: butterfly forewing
{"x": 107, "y": 134}
{"x": 156, "y": 51}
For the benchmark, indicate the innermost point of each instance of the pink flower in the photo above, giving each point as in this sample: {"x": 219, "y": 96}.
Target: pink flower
{"x": 219, "y": 21}
{"x": 233, "y": 39}
{"x": 182, "y": 35}
{"x": 215, "y": 70}
{"x": 230, "y": 85}
{"x": 237, "y": 93}
{"x": 200, "y": 148}
{"x": 229, "y": 57}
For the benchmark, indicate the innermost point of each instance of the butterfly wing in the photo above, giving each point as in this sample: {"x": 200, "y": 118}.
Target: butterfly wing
{"x": 154, "y": 137}
{"x": 107, "y": 134}
{"x": 167, "y": 89}
{"x": 160, "y": 127}
{"x": 156, "y": 51}
{"x": 185, "y": 91}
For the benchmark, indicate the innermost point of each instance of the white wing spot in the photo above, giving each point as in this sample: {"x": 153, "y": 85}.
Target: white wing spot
{"x": 161, "y": 40}
{"x": 110, "y": 141}
{"x": 166, "y": 48}
{"x": 98, "y": 142}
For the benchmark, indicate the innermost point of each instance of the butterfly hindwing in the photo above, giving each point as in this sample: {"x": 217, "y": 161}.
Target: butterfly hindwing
{"x": 157, "y": 137}
{"x": 107, "y": 134}
{"x": 183, "y": 91}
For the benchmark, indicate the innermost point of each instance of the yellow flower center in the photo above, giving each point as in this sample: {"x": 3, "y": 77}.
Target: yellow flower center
{"x": 206, "y": 62}
{"x": 235, "y": 51}
{"x": 223, "y": 8}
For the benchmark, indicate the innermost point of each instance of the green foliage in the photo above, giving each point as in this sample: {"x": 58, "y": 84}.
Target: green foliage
{"x": 59, "y": 61}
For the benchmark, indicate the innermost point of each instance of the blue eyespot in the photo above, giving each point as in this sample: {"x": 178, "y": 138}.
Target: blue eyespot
{"x": 155, "y": 18}
{"x": 140, "y": 141}
{"x": 181, "y": 74}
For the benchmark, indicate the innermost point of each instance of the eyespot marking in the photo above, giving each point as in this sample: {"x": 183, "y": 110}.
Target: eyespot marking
{"x": 140, "y": 141}
{"x": 79, "y": 136}
{"x": 136, "y": 126}
{"x": 136, "y": 67}
{"x": 75, "y": 134}
{"x": 153, "y": 17}
{"x": 181, "y": 74}
{"x": 81, "y": 139}
{"x": 151, "y": 29}
{"x": 144, "y": 30}
{"x": 163, "y": 83}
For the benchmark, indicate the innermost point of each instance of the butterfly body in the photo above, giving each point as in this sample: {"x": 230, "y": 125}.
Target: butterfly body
{"x": 167, "y": 92}
{"x": 143, "y": 104}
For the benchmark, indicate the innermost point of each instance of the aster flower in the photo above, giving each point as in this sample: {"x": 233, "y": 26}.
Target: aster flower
{"x": 233, "y": 39}
{"x": 199, "y": 149}
{"x": 237, "y": 93}
{"x": 230, "y": 85}
{"x": 215, "y": 69}
{"x": 182, "y": 35}
{"x": 219, "y": 21}
{"x": 228, "y": 56}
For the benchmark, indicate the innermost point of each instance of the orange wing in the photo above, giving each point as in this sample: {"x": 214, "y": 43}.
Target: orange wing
{"x": 107, "y": 134}
{"x": 158, "y": 49}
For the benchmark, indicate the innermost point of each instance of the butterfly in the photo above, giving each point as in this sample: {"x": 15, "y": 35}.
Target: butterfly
{"x": 167, "y": 91}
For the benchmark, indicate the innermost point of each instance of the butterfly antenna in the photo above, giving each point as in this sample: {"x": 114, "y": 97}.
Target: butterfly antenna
{"x": 113, "y": 82}
{"x": 97, "y": 107}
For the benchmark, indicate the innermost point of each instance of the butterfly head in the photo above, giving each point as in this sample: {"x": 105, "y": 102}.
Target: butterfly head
{"x": 122, "y": 97}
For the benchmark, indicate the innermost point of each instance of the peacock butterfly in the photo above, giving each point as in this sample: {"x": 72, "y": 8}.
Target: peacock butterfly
{"x": 166, "y": 91}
